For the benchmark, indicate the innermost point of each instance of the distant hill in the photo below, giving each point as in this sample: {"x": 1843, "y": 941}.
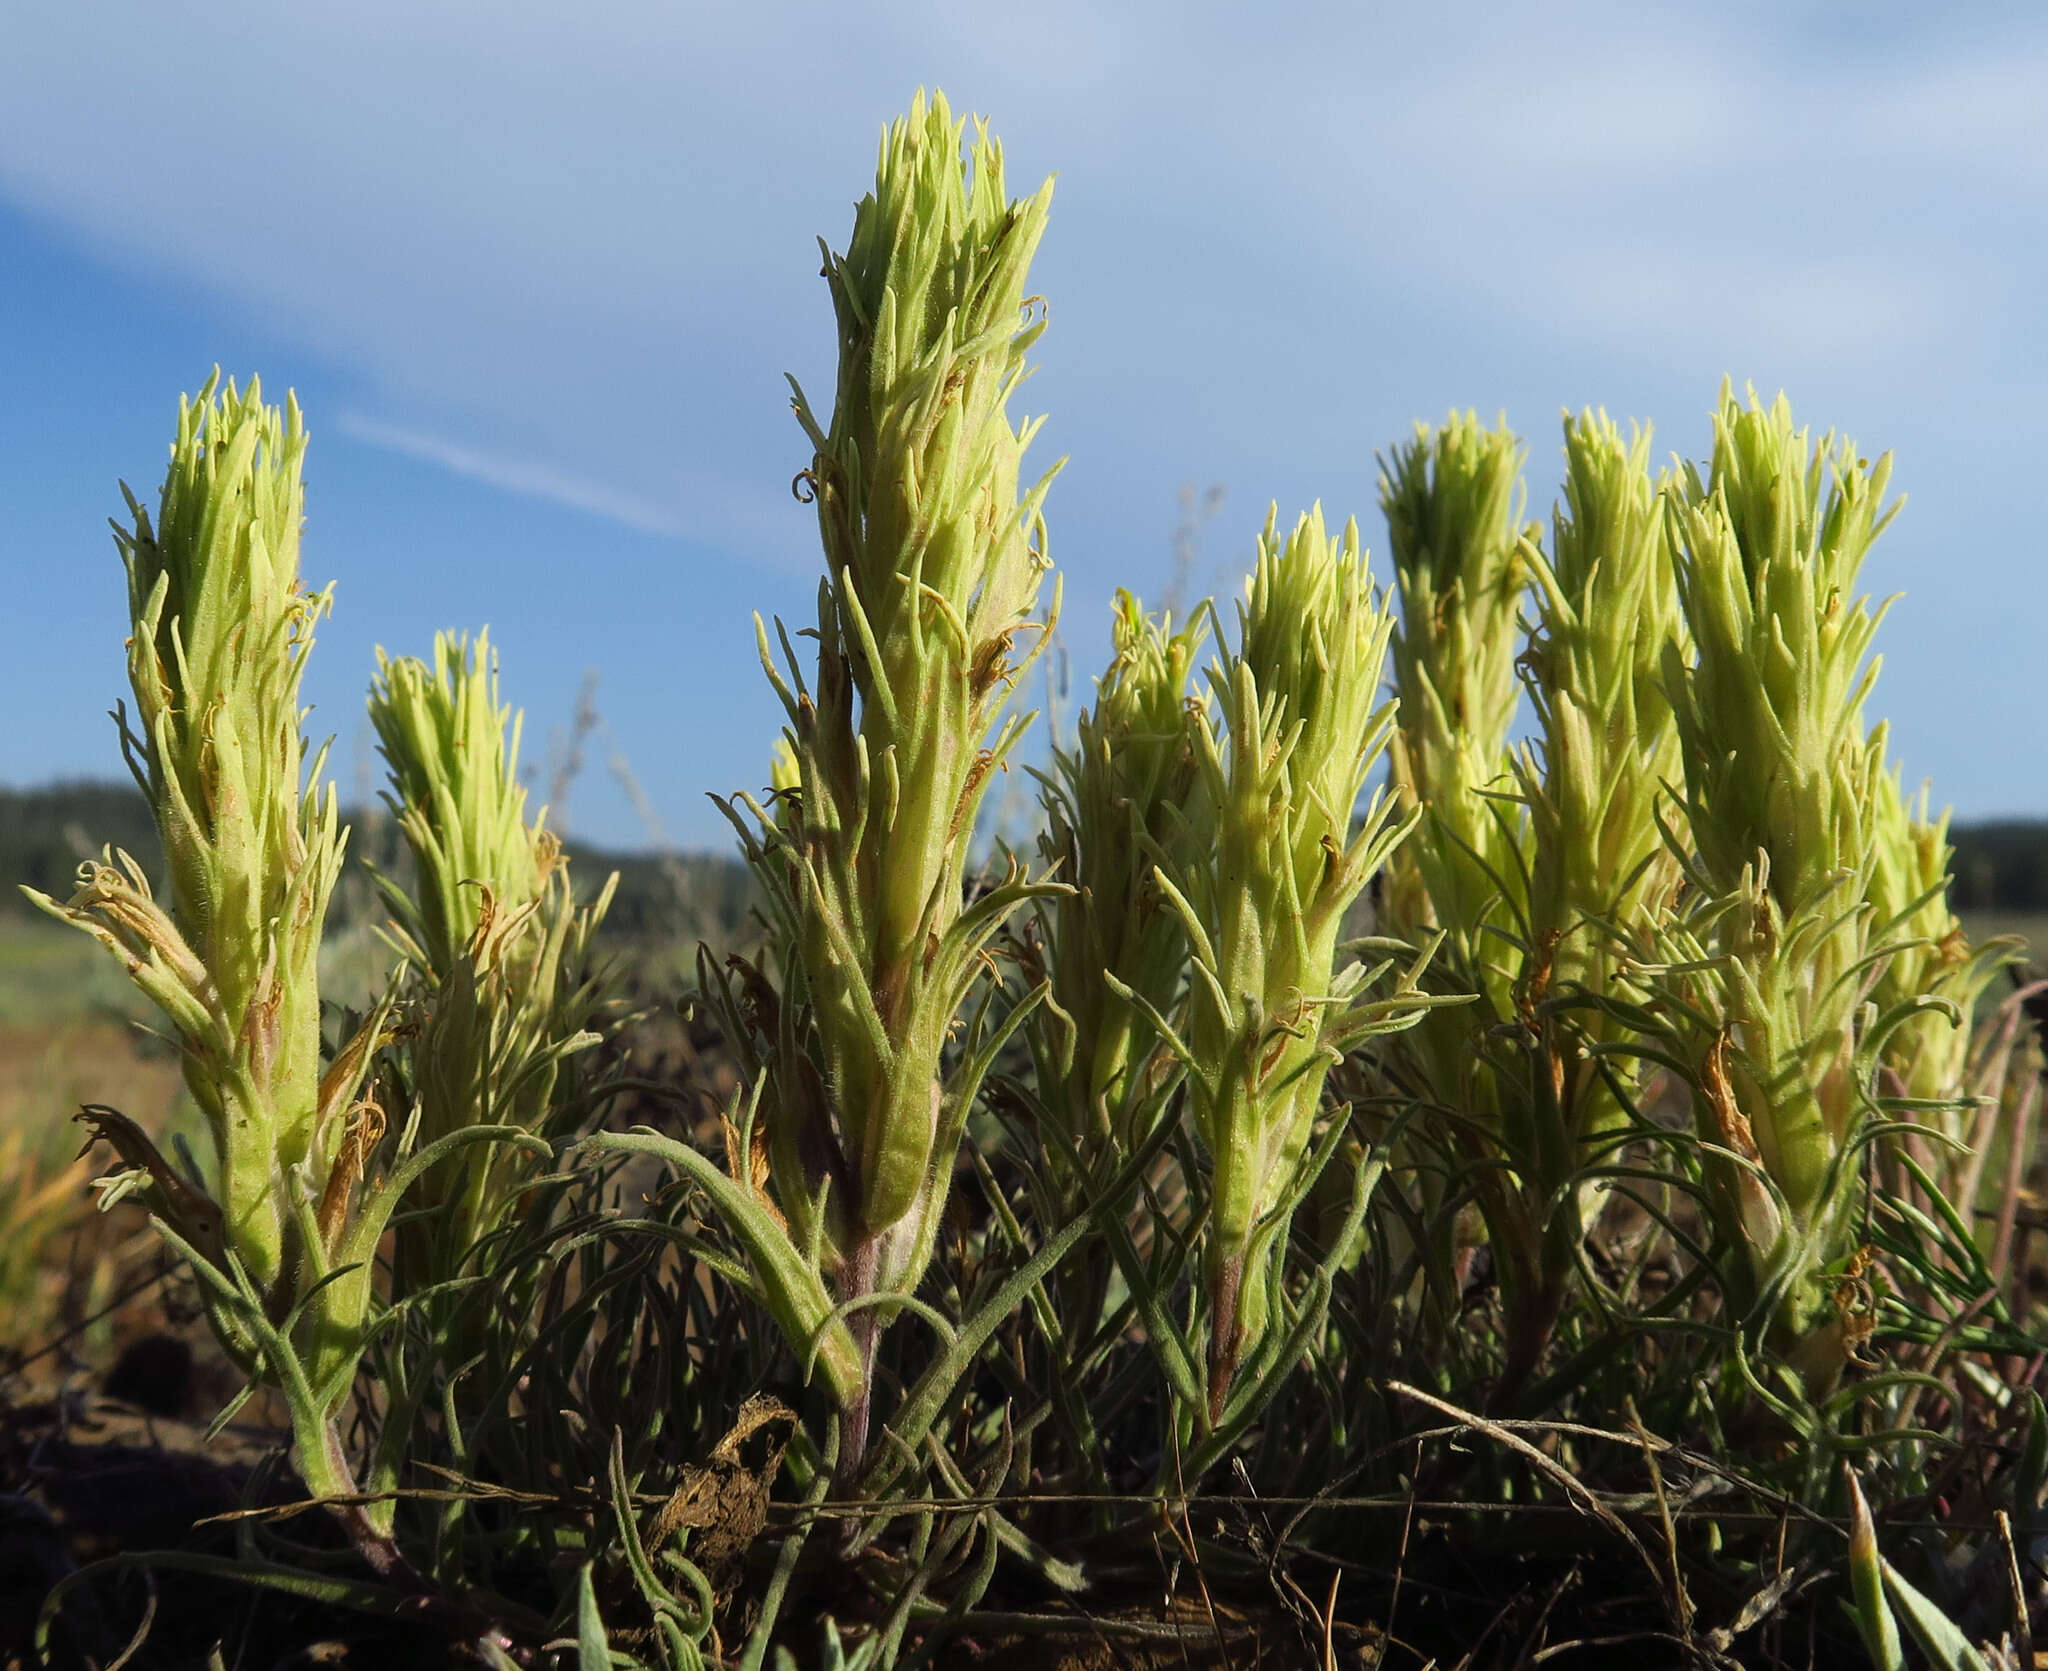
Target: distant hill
{"x": 45, "y": 833}
{"x": 2001, "y": 866}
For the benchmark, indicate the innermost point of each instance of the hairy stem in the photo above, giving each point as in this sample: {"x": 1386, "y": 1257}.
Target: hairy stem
{"x": 1227, "y": 1337}
{"x": 858, "y": 1283}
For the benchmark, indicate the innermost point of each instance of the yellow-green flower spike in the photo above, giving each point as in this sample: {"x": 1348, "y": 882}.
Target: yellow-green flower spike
{"x": 221, "y": 629}
{"x": 1606, "y": 611}
{"x": 1932, "y": 958}
{"x": 286, "y": 1224}
{"x": 1783, "y": 785}
{"x": 492, "y": 925}
{"x": 1453, "y": 502}
{"x": 453, "y": 753}
{"x": 929, "y": 614}
{"x": 1298, "y": 730}
{"x": 1127, "y": 798}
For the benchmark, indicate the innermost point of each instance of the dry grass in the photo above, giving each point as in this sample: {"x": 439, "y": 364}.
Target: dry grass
{"x": 66, "y": 1038}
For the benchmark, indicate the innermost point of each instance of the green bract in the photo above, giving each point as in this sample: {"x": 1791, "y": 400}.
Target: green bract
{"x": 1298, "y": 729}
{"x": 1782, "y": 783}
{"x": 453, "y": 753}
{"x": 1931, "y": 958}
{"x": 222, "y": 626}
{"x": 1519, "y": 1093}
{"x": 491, "y": 926}
{"x": 1770, "y": 706}
{"x": 283, "y": 1229}
{"x": 1607, "y": 610}
{"x": 1128, "y": 797}
{"x": 935, "y": 562}
{"x": 927, "y": 618}
{"x": 1452, "y": 499}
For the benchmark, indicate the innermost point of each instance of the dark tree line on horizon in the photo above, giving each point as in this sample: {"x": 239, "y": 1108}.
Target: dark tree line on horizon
{"x": 2000, "y": 865}
{"x": 45, "y": 832}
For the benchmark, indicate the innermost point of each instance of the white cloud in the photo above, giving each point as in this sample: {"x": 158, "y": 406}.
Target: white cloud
{"x": 589, "y": 234}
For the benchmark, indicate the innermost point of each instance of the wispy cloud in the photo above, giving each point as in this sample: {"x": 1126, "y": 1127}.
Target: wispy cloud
{"x": 532, "y": 479}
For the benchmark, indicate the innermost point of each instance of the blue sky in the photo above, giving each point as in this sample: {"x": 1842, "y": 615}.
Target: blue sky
{"x": 536, "y": 273}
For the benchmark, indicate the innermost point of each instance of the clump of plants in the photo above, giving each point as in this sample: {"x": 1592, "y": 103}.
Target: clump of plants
{"x": 1596, "y": 1128}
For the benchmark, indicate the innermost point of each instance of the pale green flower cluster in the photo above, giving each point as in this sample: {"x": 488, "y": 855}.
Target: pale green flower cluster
{"x": 491, "y": 926}
{"x": 928, "y": 616}
{"x": 1293, "y": 728}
